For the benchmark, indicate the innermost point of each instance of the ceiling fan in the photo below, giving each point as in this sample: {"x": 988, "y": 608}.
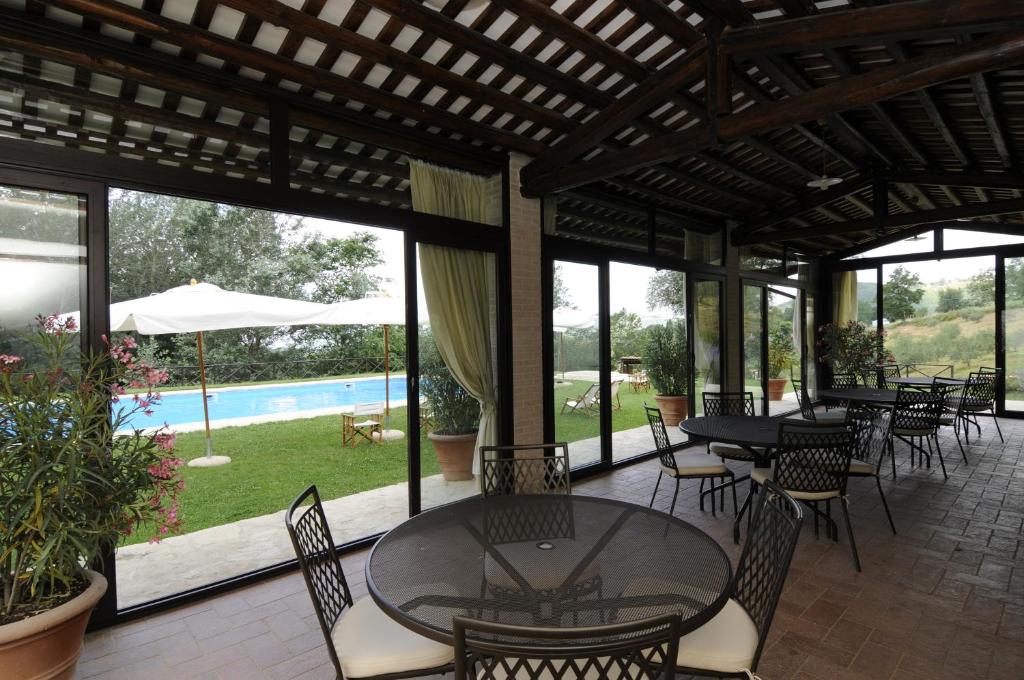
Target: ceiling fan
{"x": 824, "y": 182}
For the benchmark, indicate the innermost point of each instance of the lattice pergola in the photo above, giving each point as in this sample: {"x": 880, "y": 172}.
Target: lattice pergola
{"x": 704, "y": 111}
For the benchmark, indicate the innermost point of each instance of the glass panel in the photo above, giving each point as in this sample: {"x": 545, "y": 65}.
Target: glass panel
{"x": 753, "y": 343}
{"x": 635, "y": 319}
{"x": 940, "y": 315}
{"x": 449, "y": 414}
{"x": 784, "y": 330}
{"x": 1013, "y": 323}
{"x": 964, "y": 238}
{"x": 42, "y": 251}
{"x": 760, "y": 259}
{"x": 707, "y": 338}
{"x": 798, "y": 267}
{"x": 810, "y": 344}
{"x": 277, "y": 396}
{"x": 920, "y": 243}
{"x": 577, "y": 361}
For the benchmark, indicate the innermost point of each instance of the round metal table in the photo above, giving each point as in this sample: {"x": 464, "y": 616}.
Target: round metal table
{"x": 861, "y": 395}
{"x": 548, "y": 561}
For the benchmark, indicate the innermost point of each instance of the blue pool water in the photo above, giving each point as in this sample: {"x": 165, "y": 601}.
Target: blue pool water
{"x": 176, "y": 408}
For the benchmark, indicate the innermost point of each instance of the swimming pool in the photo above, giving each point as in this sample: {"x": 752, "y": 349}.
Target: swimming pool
{"x": 264, "y": 403}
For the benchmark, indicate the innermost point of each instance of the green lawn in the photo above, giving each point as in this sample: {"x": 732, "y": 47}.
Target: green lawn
{"x": 570, "y": 426}
{"x": 272, "y": 462}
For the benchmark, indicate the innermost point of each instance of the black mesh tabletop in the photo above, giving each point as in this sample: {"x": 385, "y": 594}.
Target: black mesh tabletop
{"x": 754, "y": 431}
{"x": 864, "y": 395}
{"x": 548, "y": 561}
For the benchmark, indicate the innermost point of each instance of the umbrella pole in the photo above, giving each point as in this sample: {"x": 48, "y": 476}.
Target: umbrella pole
{"x": 202, "y": 382}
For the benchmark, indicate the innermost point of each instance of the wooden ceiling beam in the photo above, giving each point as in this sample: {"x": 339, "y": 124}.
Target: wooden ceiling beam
{"x": 807, "y": 201}
{"x": 993, "y": 122}
{"x": 97, "y": 53}
{"x": 885, "y": 82}
{"x": 960, "y": 179}
{"x": 161, "y": 28}
{"x": 888, "y": 222}
{"x": 275, "y": 13}
{"x": 875, "y": 25}
{"x": 649, "y": 94}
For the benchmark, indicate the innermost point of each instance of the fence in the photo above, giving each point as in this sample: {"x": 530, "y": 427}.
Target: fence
{"x": 179, "y": 376}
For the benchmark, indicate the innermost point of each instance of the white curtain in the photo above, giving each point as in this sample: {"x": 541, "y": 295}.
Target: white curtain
{"x": 459, "y": 289}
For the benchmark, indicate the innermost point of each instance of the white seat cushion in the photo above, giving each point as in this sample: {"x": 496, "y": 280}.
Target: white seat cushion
{"x": 695, "y": 463}
{"x": 369, "y": 642}
{"x": 759, "y": 475}
{"x": 726, "y": 644}
{"x": 859, "y": 467}
{"x": 733, "y": 450}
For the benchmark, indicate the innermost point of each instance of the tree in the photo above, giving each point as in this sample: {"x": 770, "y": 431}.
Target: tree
{"x": 900, "y": 293}
{"x": 560, "y": 292}
{"x": 950, "y": 300}
{"x": 981, "y": 288}
{"x": 629, "y": 337}
{"x": 667, "y": 288}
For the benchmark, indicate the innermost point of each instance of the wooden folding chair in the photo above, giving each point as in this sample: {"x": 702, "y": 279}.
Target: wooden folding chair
{"x": 364, "y": 421}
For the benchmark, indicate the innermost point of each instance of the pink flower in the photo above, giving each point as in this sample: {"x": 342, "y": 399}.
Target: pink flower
{"x": 9, "y": 362}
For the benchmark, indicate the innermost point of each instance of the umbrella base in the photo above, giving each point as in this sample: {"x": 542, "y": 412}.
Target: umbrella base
{"x": 391, "y": 435}
{"x": 212, "y": 461}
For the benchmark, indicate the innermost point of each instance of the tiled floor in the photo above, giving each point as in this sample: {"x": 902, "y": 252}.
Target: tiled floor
{"x": 943, "y": 599}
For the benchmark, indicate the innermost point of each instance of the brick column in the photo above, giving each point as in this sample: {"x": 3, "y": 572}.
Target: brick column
{"x": 527, "y": 342}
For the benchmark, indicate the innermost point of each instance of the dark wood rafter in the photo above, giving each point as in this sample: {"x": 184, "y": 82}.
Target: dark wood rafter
{"x": 878, "y": 24}
{"x": 882, "y": 83}
{"x": 919, "y": 217}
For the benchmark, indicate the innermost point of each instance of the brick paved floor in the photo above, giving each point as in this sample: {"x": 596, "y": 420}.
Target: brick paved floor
{"x": 943, "y": 599}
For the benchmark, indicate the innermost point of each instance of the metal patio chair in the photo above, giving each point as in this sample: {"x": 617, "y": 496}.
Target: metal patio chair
{"x": 872, "y": 428}
{"x": 362, "y": 641}
{"x": 504, "y": 473}
{"x": 916, "y": 419}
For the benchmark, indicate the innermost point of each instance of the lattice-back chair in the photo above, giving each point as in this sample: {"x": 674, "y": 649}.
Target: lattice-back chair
{"x": 979, "y": 398}
{"x": 640, "y": 650}
{"x": 506, "y": 471}
{"x": 680, "y": 465}
{"x": 915, "y": 421}
{"x": 812, "y": 464}
{"x": 871, "y": 377}
{"x": 872, "y": 428}
{"x": 887, "y": 371}
{"x": 730, "y": 644}
{"x": 841, "y": 381}
{"x": 730, "y": 404}
{"x": 836, "y": 416}
{"x": 952, "y": 393}
{"x": 392, "y": 650}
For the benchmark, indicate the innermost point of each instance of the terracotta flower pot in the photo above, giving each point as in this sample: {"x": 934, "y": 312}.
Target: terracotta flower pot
{"x": 776, "y": 386}
{"x": 47, "y": 646}
{"x": 674, "y": 410}
{"x": 454, "y": 455}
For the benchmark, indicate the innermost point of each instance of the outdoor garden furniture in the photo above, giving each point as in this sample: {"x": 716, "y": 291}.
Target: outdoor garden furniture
{"x": 585, "y": 403}
{"x": 808, "y": 412}
{"x": 680, "y": 465}
{"x": 506, "y": 470}
{"x": 887, "y": 372}
{"x": 812, "y": 464}
{"x": 362, "y": 640}
{"x": 916, "y": 421}
{"x": 979, "y": 398}
{"x": 433, "y": 567}
{"x": 639, "y": 381}
{"x": 952, "y": 391}
{"x": 841, "y": 381}
{"x": 872, "y": 428}
{"x": 729, "y": 404}
{"x": 365, "y": 420}
{"x": 637, "y": 650}
{"x": 757, "y": 434}
{"x": 616, "y": 404}
{"x": 730, "y": 644}
{"x": 861, "y": 395}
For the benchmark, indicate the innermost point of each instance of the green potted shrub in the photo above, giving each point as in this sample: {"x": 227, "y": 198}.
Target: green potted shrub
{"x": 75, "y": 477}
{"x": 453, "y": 412}
{"x": 668, "y": 368}
{"x": 780, "y": 358}
{"x": 851, "y": 347}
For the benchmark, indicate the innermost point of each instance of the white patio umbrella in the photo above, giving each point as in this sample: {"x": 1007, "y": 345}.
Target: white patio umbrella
{"x": 376, "y": 309}
{"x": 200, "y": 307}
